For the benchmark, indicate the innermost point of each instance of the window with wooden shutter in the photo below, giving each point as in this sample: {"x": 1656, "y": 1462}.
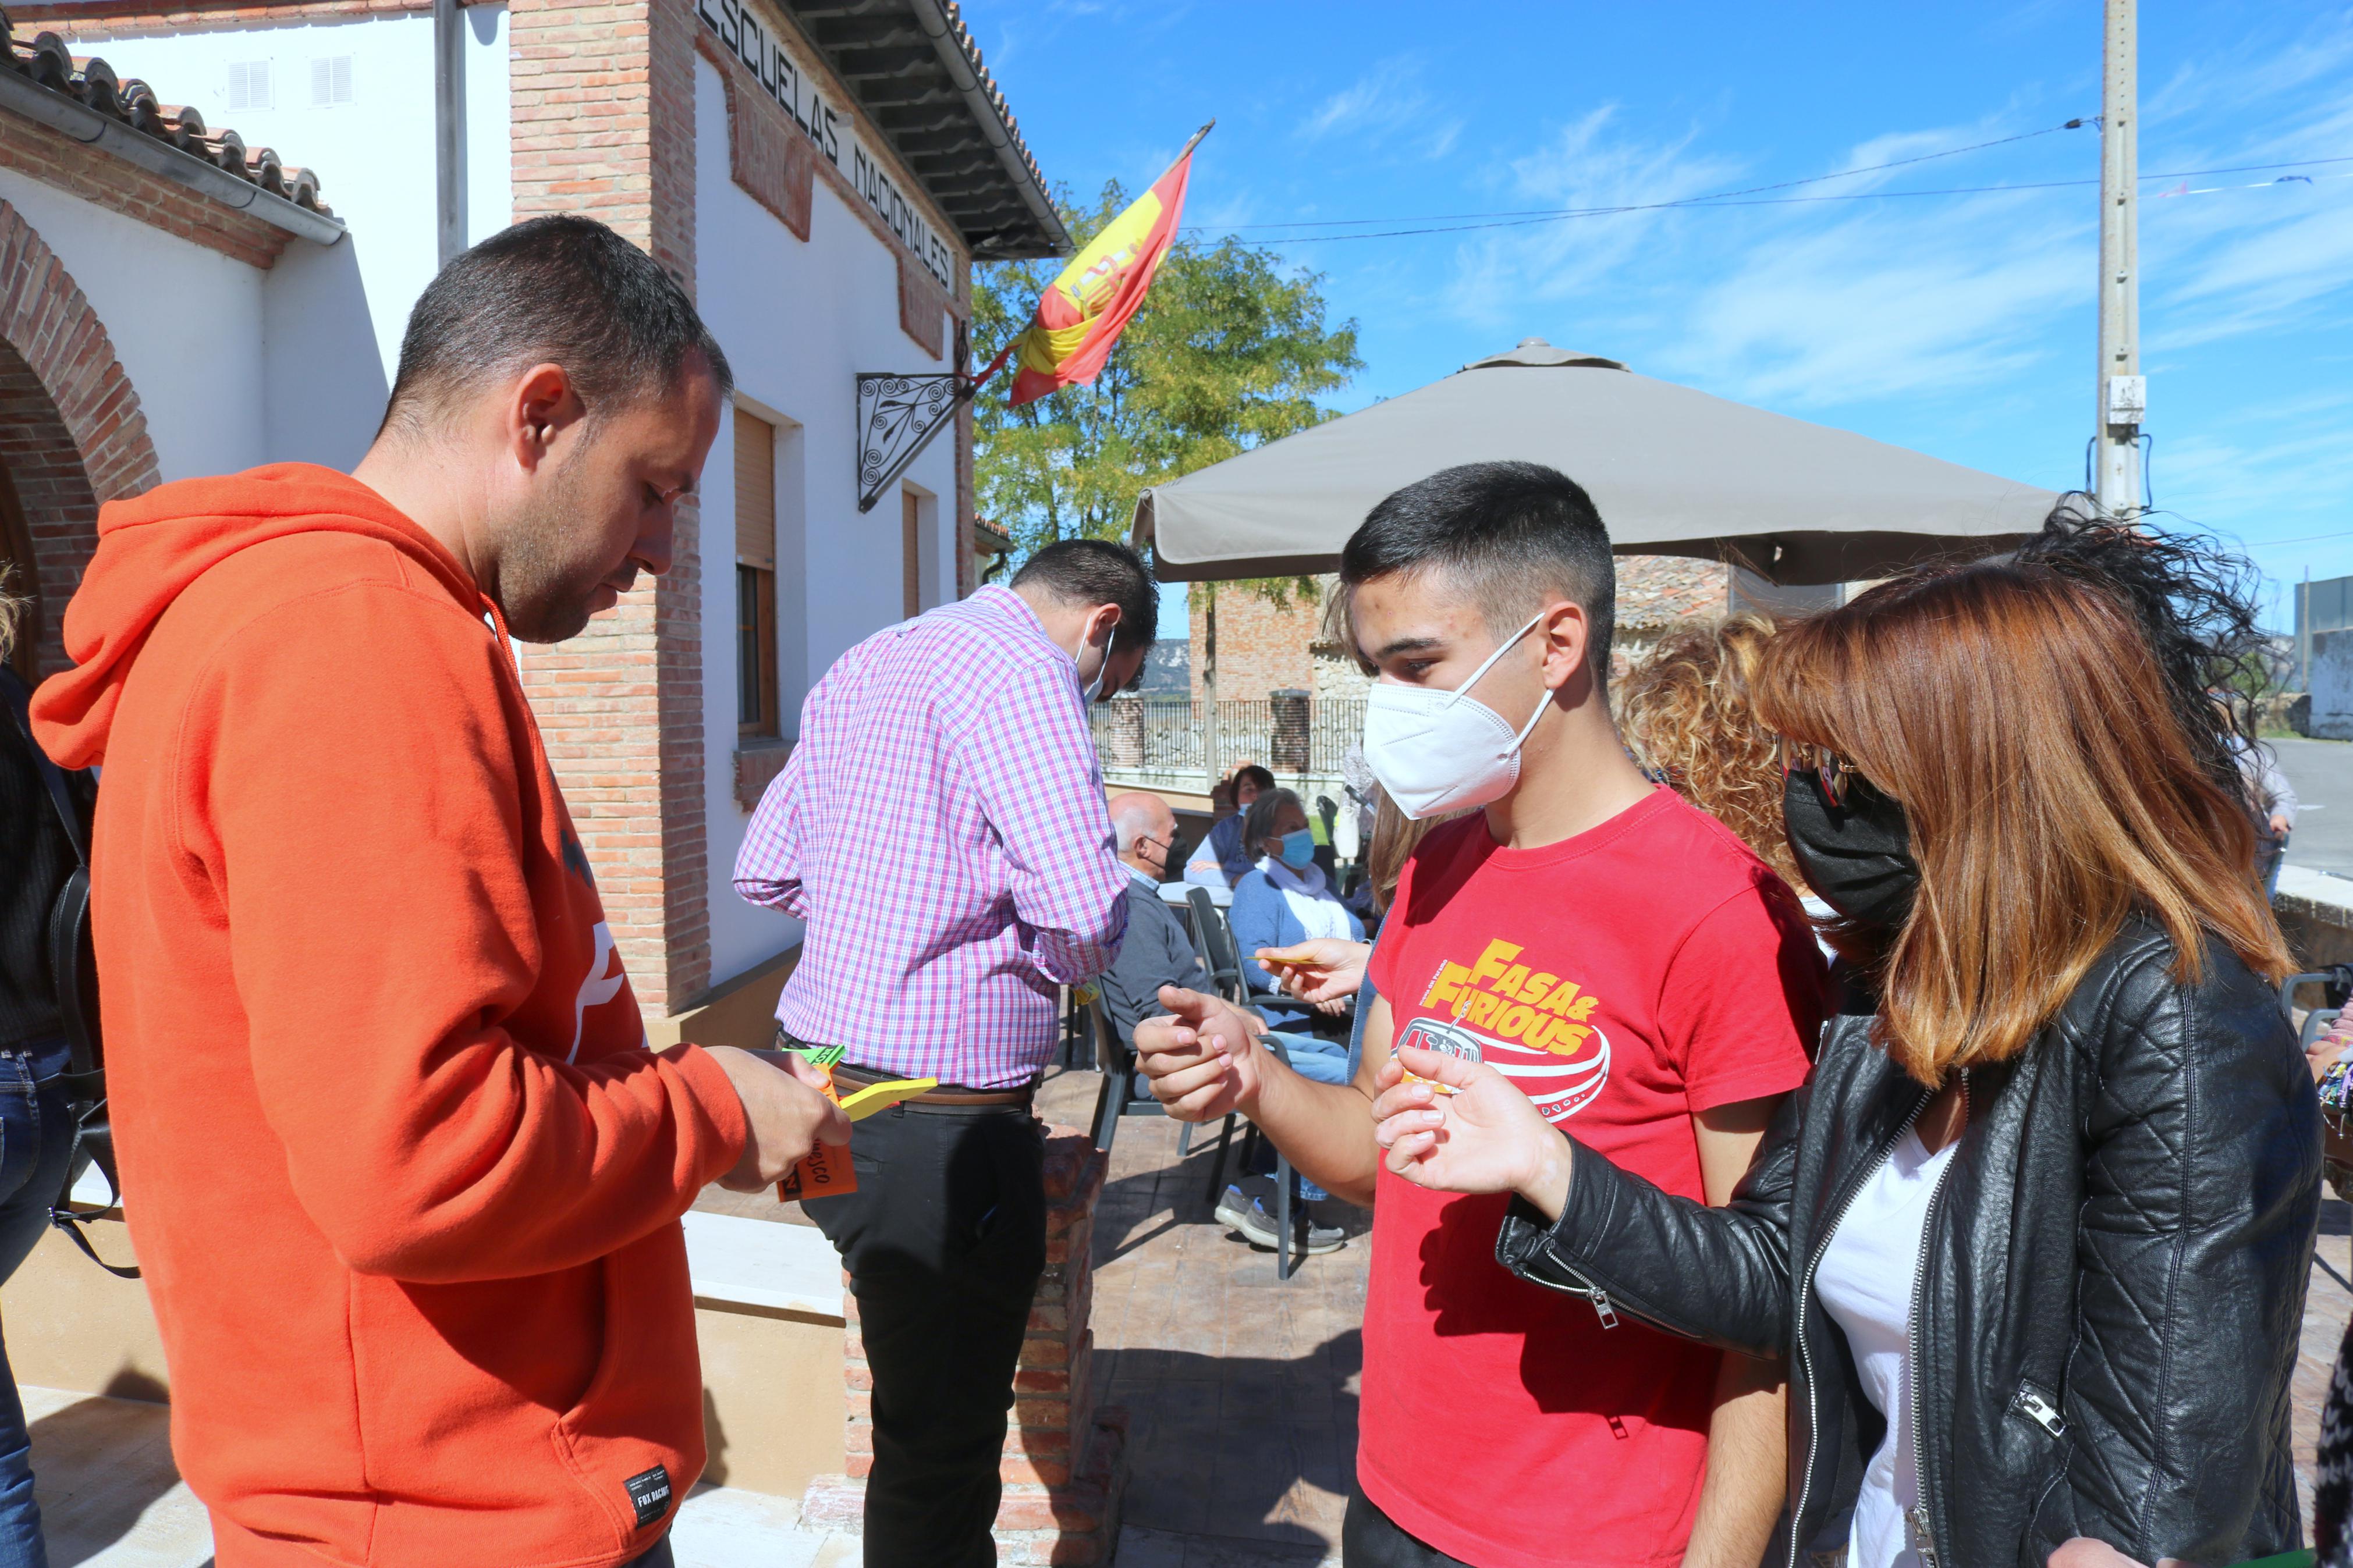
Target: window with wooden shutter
{"x": 911, "y": 553}
{"x": 756, "y": 575}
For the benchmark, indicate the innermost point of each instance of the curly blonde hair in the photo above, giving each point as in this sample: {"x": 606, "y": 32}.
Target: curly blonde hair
{"x": 1685, "y": 714}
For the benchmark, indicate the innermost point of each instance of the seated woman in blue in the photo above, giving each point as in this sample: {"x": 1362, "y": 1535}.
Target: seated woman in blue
{"x": 1219, "y": 860}
{"x": 1285, "y": 899}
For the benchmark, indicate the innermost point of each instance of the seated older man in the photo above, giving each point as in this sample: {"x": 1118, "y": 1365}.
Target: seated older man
{"x": 1158, "y": 953}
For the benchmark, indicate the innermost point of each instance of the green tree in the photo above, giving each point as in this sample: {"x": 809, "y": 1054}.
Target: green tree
{"x": 1229, "y": 351}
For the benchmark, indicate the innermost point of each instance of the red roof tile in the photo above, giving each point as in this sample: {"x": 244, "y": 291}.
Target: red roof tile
{"x": 89, "y": 80}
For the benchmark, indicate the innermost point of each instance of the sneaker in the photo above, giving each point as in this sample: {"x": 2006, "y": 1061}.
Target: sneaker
{"x": 1237, "y": 1211}
{"x": 1312, "y": 1239}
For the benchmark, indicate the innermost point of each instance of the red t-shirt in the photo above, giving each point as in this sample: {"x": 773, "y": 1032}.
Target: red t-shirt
{"x": 1624, "y": 979}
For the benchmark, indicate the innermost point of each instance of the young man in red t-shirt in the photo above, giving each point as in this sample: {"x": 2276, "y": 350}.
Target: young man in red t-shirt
{"x": 1627, "y": 962}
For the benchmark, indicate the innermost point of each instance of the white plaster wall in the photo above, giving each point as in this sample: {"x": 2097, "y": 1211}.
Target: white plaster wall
{"x": 798, "y": 322}
{"x": 374, "y": 155}
{"x": 186, "y": 321}
{"x": 489, "y": 156}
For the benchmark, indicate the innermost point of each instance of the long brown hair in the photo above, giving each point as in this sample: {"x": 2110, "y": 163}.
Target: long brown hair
{"x": 2019, "y": 717}
{"x": 1686, "y": 712}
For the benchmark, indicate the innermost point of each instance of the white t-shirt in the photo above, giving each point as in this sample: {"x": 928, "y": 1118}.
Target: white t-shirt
{"x": 1866, "y": 1277}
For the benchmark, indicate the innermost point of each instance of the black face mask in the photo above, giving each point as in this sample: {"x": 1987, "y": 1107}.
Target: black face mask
{"x": 1857, "y": 857}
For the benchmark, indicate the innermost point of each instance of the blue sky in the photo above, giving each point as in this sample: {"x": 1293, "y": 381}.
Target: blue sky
{"x": 1960, "y": 325}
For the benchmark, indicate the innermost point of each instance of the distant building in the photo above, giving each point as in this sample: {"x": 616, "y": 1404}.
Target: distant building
{"x": 2332, "y": 685}
{"x": 2323, "y": 606}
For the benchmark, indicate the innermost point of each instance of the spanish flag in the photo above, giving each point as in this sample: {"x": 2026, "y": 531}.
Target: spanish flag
{"x": 1082, "y": 314}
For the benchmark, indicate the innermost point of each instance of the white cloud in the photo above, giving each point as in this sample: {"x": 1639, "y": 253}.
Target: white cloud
{"x": 1882, "y": 304}
{"x": 1500, "y": 273}
{"x": 1385, "y": 105}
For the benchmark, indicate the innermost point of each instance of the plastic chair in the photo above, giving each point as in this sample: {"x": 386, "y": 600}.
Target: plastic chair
{"x": 1213, "y": 941}
{"x": 1117, "y": 1097}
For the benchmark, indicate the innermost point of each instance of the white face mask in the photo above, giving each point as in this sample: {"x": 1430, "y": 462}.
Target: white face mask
{"x": 1435, "y": 752}
{"x": 1093, "y": 689}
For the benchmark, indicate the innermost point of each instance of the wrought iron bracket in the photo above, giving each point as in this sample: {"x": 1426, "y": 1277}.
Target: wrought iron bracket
{"x": 897, "y": 417}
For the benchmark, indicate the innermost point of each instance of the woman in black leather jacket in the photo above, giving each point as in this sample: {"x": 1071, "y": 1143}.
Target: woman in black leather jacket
{"x": 2006, "y": 780}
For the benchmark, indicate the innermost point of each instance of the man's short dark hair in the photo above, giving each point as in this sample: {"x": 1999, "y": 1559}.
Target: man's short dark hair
{"x": 1508, "y": 534}
{"x": 1097, "y": 572}
{"x": 562, "y": 290}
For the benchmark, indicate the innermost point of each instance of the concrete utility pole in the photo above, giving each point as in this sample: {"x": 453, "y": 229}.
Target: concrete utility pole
{"x": 2121, "y": 391}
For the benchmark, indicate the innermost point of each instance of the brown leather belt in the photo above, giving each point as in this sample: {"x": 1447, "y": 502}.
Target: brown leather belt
{"x": 943, "y": 1097}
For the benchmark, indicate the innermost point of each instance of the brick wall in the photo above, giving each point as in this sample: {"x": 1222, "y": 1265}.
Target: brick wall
{"x": 104, "y": 180}
{"x": 1262, "y": 646}
{"x": 603, "y": 110}
{"x": 71, "y": 432}
{"x": 1655, "y": 591}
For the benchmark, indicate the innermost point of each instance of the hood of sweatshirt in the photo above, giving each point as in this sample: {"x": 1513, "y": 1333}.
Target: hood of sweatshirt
{"x": 152, "y": 547}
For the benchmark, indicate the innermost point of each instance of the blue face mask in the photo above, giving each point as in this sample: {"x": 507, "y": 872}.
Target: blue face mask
{"x": 1299, "y": 849}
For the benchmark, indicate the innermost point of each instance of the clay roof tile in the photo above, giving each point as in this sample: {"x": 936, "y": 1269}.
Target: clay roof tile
{"x": 90, "y": 79}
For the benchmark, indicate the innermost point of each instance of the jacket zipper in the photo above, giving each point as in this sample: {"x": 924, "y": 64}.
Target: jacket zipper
{"x": 1797, "y": 1328}
{"x": 1584, "y": 1287}
{"x": 1921, "y": 1517}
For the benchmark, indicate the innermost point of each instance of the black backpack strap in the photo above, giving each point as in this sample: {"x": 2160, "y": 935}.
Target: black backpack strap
{"x": 61, "y": 1216}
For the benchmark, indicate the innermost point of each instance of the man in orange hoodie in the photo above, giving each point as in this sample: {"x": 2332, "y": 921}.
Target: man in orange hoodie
{"x": 403, "y": 1178}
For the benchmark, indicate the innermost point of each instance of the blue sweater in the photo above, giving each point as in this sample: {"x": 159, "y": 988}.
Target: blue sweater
{"x": 1261, "y": 917}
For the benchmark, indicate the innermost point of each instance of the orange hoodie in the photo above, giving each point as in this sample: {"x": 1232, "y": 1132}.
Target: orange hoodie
{"x": 404, "y": 1183}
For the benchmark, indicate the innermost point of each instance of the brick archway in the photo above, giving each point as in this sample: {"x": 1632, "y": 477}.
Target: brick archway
{"x": 71, "y": 432}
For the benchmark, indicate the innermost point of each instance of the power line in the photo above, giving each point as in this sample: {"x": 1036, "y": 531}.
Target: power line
{"x": 1729, "y": 200}
{"x": 1750, "y": 191}
{"x": 2307, "y": 539}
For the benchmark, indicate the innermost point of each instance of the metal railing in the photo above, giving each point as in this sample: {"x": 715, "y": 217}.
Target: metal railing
{"x": 1287, "y": 733}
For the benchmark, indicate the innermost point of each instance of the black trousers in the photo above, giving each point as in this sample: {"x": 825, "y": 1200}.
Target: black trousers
{"x": 660, "y": 1557}
{"x": 945, "y": 1239}
{"x": 1371, "y": 1538}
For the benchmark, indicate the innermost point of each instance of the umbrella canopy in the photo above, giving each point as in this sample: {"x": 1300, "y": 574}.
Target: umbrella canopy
{"x": 1673, "y": 472}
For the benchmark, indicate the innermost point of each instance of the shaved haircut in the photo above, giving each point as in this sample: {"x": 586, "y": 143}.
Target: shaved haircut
{"x": 1509, "y": 536}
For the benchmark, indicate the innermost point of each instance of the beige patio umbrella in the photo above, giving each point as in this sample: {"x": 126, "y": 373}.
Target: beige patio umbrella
{"x": 1674, "y": 471}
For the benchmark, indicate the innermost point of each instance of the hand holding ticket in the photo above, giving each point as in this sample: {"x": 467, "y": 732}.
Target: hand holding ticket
{"x": 1327, "y": 969}
{"x": 787, "y": 1114}
{"x": 825, "y": 1171}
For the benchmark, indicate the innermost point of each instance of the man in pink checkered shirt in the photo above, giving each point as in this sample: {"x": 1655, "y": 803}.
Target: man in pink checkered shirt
{"x": 941, "y": 831}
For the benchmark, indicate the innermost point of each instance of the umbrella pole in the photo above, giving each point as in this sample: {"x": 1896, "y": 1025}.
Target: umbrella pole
{"x": 1209, "y": 737}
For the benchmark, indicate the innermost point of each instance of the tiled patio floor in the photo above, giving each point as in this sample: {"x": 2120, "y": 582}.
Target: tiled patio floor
{"x": 1242, "y": 1388}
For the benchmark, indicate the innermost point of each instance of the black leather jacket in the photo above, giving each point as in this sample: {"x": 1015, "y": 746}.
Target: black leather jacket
{"x": 2112, "y": 1274}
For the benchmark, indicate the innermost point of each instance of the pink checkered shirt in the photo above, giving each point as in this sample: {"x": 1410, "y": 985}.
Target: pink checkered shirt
{"x": 941, "y": 830}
